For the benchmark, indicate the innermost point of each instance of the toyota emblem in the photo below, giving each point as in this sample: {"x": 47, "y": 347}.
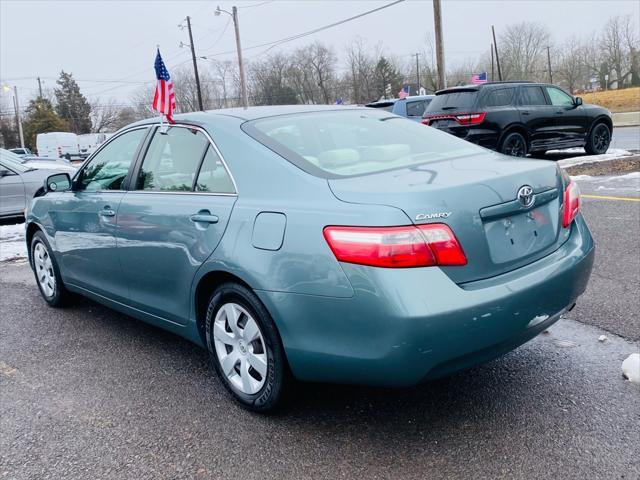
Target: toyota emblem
{"x": 525, "y": 196}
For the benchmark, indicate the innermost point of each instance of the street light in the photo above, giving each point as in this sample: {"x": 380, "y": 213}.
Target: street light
{"x": 243, "y": 83}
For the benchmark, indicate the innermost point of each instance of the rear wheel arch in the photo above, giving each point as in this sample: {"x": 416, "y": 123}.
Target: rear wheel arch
{"x": 517, "y": 128}
{"x": 206, "y": 286}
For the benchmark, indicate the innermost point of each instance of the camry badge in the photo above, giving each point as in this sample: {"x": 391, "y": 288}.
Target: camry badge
{"x": 430, "y": 216}
{"x": 525, "y": 196}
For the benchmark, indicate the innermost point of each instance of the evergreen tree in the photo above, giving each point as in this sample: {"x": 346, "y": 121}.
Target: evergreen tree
{"x": 72, "y": 105}
{"x": 387, "y": 76}
{"x": 41, "y": 118}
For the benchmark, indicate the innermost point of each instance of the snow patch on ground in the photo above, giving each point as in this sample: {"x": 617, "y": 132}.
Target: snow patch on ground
{"x": 12, "y": 242}
{"x": 612, "y": 154}
{"x": 631, "y": 368}
{"x": 627, "y": 183}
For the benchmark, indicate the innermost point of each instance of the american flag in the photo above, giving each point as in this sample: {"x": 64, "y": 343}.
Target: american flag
{"x": 164, "y": 100}
{"x": 478, "y": 78}
{"x": 404, "y": 93}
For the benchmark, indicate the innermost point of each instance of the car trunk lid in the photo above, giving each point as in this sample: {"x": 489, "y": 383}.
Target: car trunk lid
{"x": 477, "y": 196}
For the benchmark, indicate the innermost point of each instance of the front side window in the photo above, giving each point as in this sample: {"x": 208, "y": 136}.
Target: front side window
{"x": 532, "y": 96}
{"x": 354, "y": 142}
{"x": 172, "y": 161}
{"x": 110, "y": 166}
{"x": 559, "y": 98}
{"x": 500, "y": 97}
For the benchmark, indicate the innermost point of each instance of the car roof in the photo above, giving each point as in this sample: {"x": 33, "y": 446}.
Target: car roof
{"x": 417, "y": 97}
{"x": 474, "y": 88}
{"x": 253, "y": 113}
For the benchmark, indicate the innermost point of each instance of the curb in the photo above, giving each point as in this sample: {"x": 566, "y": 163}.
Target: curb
{"x": 626, "y": 119}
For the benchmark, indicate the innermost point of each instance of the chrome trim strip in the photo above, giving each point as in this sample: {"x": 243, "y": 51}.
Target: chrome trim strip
{"x": 88, "y": 160}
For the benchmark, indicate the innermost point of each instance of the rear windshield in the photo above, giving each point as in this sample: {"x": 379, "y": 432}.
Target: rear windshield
{"x": 456, "y": 100}
{"x": 354, "y": 142}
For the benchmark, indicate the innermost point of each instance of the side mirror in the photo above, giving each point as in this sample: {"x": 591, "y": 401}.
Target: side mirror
{"x": 577, "y": 101}
{"x": 58, "y": 182}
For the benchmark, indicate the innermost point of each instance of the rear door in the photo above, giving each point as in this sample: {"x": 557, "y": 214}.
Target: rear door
{"x": 570, "y": 120}
{"x": 172, "y": 219}
{"x": 538, "y": 116}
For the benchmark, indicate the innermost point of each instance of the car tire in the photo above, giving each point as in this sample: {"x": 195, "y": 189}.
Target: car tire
{"x": 598, "y": 140}
{"x": 245, "y": 348}
{"x": 47, "y": 272}
{"x": 67, "y": 156}
{"x": 514, "y": 144}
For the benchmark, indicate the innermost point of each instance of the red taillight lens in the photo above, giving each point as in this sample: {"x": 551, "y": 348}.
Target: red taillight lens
{"x": 571, "y": 205}
{"x": 471, "y": 118}
{"x": 396, "y": 247}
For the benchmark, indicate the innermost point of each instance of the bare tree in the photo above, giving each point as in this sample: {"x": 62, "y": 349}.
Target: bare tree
{"x": 570, "y": 67}
{"x": 104, "y": 116}
{"x": 522, "y": 50}
{"x": 619, "y": 41}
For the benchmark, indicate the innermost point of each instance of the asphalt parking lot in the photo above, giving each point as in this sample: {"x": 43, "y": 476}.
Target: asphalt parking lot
{"x": 88, "y": 393}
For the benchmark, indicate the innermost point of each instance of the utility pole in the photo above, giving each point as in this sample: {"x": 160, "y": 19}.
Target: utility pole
{"x": 16, "y": 104}
{"x": 492, "y": 75}
{"x": 236, "y": 25}
{"x": 495, "y": 45}
{"x": 195, "y": 63}
{"x": 417, "y": 74}
{"x": 549, "y": 62}
{"x": 40, "y": 87}
{"x": 437, "y": 20}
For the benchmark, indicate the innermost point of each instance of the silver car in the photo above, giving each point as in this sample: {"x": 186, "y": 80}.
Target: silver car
{"x": 19, "y": 182}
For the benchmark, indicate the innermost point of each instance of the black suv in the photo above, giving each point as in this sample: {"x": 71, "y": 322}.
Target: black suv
{"x": 516, "y": 118}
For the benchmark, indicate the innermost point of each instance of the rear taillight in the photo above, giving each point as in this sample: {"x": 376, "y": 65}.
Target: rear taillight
{"x": 396, "y": 247}
{"x": 471, "y": 118}
{"x": 571, "y": 205}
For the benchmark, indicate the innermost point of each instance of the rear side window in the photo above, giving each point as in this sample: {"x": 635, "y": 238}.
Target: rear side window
{"x": 416, "y": 109}
{"x": 213, "y": 176}
{"x": 499, "y": 97}
{"x": 532, "y": 96}
{"x": 110, "y": 166}
{"x": 456, "y": 100}
{"x": 172, "y": 160}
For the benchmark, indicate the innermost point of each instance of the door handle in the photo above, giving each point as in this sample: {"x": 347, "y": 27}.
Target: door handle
{"x": 204, "y": 217}
{"x": 525, "y": 113}
{"x": 560, "y": 111}
{"x": 107, "y": 211}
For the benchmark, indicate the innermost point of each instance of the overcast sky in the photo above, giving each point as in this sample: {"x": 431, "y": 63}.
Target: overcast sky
{"x": 102, "y": 42}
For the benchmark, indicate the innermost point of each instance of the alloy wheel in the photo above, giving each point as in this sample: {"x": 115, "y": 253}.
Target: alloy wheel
{"x": 601, "y": 138}
{"x": 44, "y": 269}
{"x": 515, "y": 147}
{"x": 240, "y": 348}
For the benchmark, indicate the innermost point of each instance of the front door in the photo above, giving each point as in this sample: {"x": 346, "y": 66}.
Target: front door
{"x": 538, "y": 117}
{"x": 570, "y": 120}
{"x": 85, "y": 218}
{"x": 172, "y": 219}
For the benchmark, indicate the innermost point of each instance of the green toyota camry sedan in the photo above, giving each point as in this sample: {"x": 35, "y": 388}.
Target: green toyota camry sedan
{"x": 324, "y": 244}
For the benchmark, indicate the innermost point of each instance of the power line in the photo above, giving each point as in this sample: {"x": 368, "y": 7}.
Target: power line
{"x": 275, "y": 43}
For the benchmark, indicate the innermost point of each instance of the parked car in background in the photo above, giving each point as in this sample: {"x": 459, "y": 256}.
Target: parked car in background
{"x": 46, "y": 163}
{"x": 322, "y": 243}
{"x": 89, "y": 142}
{"x": 58, "y": 145}
{"x": 386, "y": 104}
{"x": 19, "y": 182}
{"x": 517, "y": 118}
{"x": 23, "y": 152}
{"x": 412, "y": 107}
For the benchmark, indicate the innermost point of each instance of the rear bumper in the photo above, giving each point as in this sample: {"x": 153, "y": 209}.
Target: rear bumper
{"x": 403, "y": 326}
{"x": 485, "y": 137}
